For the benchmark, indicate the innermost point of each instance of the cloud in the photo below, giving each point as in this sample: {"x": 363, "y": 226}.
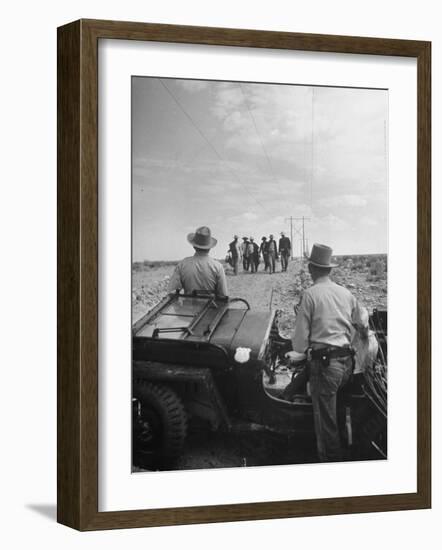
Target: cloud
{"x": 228, "y": 98}
{"x": 329, "y": 224}
{"x": 250, "y": 216}
{"x": 342, "y": 200}
{"x": 334, "y": 137}
{"x": 367, "y": 221}
{"x": 252, "y": 158}
{"x": 193, "y": 85}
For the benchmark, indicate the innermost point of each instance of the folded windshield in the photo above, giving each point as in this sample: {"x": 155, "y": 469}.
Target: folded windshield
{"x": 181, "y": 316}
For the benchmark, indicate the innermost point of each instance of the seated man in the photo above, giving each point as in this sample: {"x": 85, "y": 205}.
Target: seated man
{"x": 299, "y": 379}
{"x": 200, "y": 271}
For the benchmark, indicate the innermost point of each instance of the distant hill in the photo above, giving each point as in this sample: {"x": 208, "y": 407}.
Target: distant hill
{"x": 151, "y": 264}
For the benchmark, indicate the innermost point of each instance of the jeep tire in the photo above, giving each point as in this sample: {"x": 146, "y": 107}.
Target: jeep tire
{"x": 160, "y": 426}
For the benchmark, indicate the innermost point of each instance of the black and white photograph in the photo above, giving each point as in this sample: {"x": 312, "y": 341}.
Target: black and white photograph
{"x": 259, "y": 274}
{"x": 220, "y": 217}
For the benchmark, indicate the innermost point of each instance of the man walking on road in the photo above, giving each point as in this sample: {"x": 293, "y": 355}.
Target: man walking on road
{"x": 273, "y": 253}
{"x": 264, "y": 250}
{"x": 284, "y": 251}
{"x": 200, "y": 271}
{"x": 245, "y": 253}
{"x": 235, "y": 253}
{"x": 254, "y": 262}
{"x": 249, "y": 253}
{"x": 323, "y": 330}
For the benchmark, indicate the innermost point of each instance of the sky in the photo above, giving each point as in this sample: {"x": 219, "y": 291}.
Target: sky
{"x": 241, "y": 158}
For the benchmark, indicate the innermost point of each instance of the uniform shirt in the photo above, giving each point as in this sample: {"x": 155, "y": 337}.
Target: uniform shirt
{"x": 327, "y": 317}
{"x": 199, "y": 272}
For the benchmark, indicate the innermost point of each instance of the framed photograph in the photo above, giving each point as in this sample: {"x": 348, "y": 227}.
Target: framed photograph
{"x": 243, "y": 250}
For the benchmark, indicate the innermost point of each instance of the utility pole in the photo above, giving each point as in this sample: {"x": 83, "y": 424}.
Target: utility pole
{"x": 300, "y": 232}
{"x": 291, "y": 236}
{"x": 303, "y": 237}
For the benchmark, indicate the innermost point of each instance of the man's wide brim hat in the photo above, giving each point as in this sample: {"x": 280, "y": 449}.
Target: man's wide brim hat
{"x": 321, "y": 256}
{"x": 202, "y": 238}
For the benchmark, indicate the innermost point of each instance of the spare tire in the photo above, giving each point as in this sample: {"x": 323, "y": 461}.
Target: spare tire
{"x": 159, "y": 425}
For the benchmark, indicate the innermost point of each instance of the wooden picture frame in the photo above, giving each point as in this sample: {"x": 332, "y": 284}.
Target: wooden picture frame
{"x": 78, "y": 273}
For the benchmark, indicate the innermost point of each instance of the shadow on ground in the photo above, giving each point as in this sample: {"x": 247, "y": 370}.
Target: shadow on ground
{"x": 49, "y": 511}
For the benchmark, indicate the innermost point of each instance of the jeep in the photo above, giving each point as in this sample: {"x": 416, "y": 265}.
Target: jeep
{"x": 214, "y": 360}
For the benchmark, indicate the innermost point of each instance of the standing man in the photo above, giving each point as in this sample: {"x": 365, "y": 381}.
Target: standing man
{"x": 254, "y": 257}
{"x": 250, "y": 263}
{"x": 244, "y": 253}
{"x": 284, "y": 250}
{"x": 235, "y": 253}
{"x": 324, "y": 325}
{"x": 200, "y": 271}
{"x": 273, "y": 253}
{"x": 264, "y": 249}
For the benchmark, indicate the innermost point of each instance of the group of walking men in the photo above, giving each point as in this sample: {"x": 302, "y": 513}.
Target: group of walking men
{"x": 249, "y": 253}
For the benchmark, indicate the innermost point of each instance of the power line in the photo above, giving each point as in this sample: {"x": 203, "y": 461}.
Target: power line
{"x": 312, "y": 149}
{"x": 212, "y": 147}
{"x": 259, "y": 137}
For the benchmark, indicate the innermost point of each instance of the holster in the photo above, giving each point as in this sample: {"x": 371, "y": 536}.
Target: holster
{"x": 325, "y": 354}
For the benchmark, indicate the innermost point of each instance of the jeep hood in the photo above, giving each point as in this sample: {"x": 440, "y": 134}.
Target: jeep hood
{"x": 244, "y": 329}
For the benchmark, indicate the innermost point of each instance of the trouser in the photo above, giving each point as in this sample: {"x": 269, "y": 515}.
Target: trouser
{"x": 235, "y": 264}
{"x": 266, "y": 261}
{"x": 245, "y": 263}
{"x": 272, "y": 262}
{"x": 253, "y": 264}
{"x": 284, "y": 259}
{"x": 325, "y": 381}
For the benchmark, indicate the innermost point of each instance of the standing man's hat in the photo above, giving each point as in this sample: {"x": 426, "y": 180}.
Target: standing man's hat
{"x": 235, "y": 236}
{"x": 321, "y": 256}
{"x": 202, "y": 238}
